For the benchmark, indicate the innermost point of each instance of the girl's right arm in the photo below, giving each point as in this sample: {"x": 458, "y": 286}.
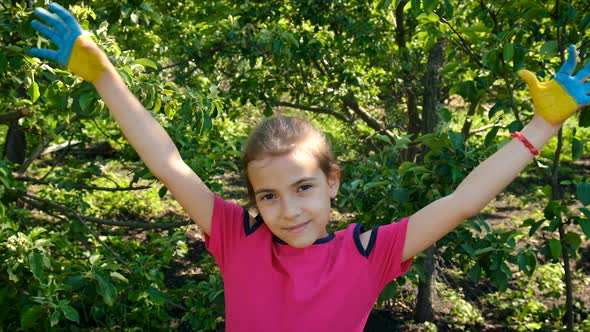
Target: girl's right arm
{"x": 156, "y": 149}
{"x": 84, "y": 58}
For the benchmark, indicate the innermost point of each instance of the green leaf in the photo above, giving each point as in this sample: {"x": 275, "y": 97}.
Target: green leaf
{"x": 555, "y": 247}
{"x": 36, "y": 265}
{"x": 583, "y": 193}
{"x": 33, "y": 91}
{"x": 119, "y": 276}
{"x": 106, "y": 289}
{"x": 549, "y": 49}
{"x": 584, "y": 120}
{"x": 483, "y": 250}
{"x": 444, "y": 114}
{"x": 93, "y": 259}
{"x": 585, "y": 225}
{"x": 31, "y": 317}
{"x": 552, "y": 210}
{"x": 577, "y": 149}
{"x": 375, "y": 184}
{"x": 401, "y": 195}
{"x": 535, "y": 227}
{"x": 146, "y": 62}
{"x": 515, "y": 125}
{"x": 162, "y": 192}
{"x": 508, "y": 52}
{"x": 573, "y": 240}
{"x": 54, "y": 318}
{"x": 85, "y": 100}
{"x": 156, "y": 296}
{"x": 519, "y": 57}
{"x": 468, "y": 90}
{"x": 491, "y": 135}
{"x": 69, "y": 312}
{"x": 157, "y": 105}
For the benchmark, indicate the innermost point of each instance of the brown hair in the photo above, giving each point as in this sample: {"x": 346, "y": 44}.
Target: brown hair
{"x": 279, "y": 135}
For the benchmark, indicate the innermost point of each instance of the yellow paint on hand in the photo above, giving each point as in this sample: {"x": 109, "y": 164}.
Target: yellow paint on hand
{"x": 551, "y": 100}
{"x": 86, "y": 59}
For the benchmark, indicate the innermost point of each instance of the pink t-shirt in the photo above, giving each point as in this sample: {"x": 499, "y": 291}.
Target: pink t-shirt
{"x": 329, "y": 286}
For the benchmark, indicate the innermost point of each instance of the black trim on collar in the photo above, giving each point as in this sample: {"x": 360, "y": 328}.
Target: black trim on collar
{"x": 250, "y": 229}
{"x": 325, "y": 239}
{"x": 357, "y": 240}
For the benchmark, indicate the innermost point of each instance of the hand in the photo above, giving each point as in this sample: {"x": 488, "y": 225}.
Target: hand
{"x": 75, "y": 50}
{"x": 559, "y": 98}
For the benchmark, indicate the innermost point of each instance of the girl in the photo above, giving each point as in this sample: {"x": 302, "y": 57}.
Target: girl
{"x": 282, "y": 270}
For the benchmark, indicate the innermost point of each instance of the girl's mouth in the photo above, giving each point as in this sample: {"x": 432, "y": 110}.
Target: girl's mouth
{"x": 298, "y": 228}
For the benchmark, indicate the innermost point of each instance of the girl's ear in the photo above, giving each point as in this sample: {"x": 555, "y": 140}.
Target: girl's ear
{"x": 334, "y": 183}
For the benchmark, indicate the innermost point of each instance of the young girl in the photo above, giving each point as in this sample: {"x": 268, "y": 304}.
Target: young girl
{"x": 282, "y": 270}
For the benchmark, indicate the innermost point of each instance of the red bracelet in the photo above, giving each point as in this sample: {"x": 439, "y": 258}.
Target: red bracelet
{"x": 526, "y": 142}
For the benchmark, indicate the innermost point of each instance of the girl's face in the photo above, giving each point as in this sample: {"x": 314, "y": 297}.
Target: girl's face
{"x": 293, "y": 196}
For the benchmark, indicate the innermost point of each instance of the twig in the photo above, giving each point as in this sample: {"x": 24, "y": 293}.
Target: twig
{"x": 136, "y": 224}
{"x": 8, "y": 117}
{"x": 82, "y": 186}
{"x": 31, "y": 200}
{"x": 39, "y": 149}
{"x": 313, "y": 109}
{"x": 463, "y": 45}
{"x": 67, "y": 212}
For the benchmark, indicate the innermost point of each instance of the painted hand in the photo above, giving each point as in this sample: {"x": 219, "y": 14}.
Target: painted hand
{"x": 559, "y": 98}
{"x": 75, "y": 51}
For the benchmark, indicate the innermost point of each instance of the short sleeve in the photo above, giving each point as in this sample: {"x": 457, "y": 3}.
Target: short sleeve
{"x": 388, "y": 250}
{"x": 227, "y": 230}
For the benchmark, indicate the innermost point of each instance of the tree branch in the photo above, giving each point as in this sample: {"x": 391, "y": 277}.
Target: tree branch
{"x": 350, "y": 101}
{"x": 8, "y": 117}
{"x": 44, "y": 143}
{"x": 81, "y": 186}
{"x": 323, "y": 110}
{"x": 130, "y": 224}
{"x": 29, "y": 199}
{"x": 463, "y": 44}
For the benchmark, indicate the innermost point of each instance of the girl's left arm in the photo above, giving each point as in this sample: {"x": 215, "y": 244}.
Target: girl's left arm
{"x": 554, "y": 102}
{"x": 475, "y": 192}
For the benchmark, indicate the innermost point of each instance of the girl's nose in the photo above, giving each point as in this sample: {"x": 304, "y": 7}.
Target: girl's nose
{"x": 291, "y": 208}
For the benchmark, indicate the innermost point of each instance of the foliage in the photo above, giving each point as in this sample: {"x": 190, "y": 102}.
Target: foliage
{"x": 520, "y": 306}
{"x": 462, "y": 313}
{"x": 207, "y": 70}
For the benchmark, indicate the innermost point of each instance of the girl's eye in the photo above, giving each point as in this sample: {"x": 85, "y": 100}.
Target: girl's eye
{"x": 305, "y": 187}
{"x": 267, "y": 197}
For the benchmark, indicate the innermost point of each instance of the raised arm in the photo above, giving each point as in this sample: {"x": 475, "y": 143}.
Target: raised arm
{"x": 84, "y": 58}
{"x": 554, "y": 102}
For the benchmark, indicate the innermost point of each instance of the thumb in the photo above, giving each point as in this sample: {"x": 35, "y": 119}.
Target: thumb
{"x": 529, "y": 78}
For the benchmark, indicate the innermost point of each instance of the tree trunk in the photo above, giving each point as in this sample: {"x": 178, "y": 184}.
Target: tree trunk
{"x": 470, "y": 113}
{"x": 423, "y": 311}
{"x": 432, "y": 90}
{"x": 556, "y": 194}
{"x": 414, "y": 121}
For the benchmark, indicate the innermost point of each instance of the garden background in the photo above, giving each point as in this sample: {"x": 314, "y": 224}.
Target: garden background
{"x": 412, "y": 94}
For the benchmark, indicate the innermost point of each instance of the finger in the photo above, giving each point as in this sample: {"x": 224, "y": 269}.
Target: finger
{"x": 528, "y": 77}
{"x": 51, "y": 20}
{"x": 584, "y": 73}
{"x": 44, "y": 53}
{"x": 47, "y": 32}
{"x": 570, "y": 64}
{"x": 65, "y": 15}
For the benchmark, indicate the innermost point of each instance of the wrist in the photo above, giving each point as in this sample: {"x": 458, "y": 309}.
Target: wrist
{"x": 538, "y": 131}
{"x": 87, "y": 60}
